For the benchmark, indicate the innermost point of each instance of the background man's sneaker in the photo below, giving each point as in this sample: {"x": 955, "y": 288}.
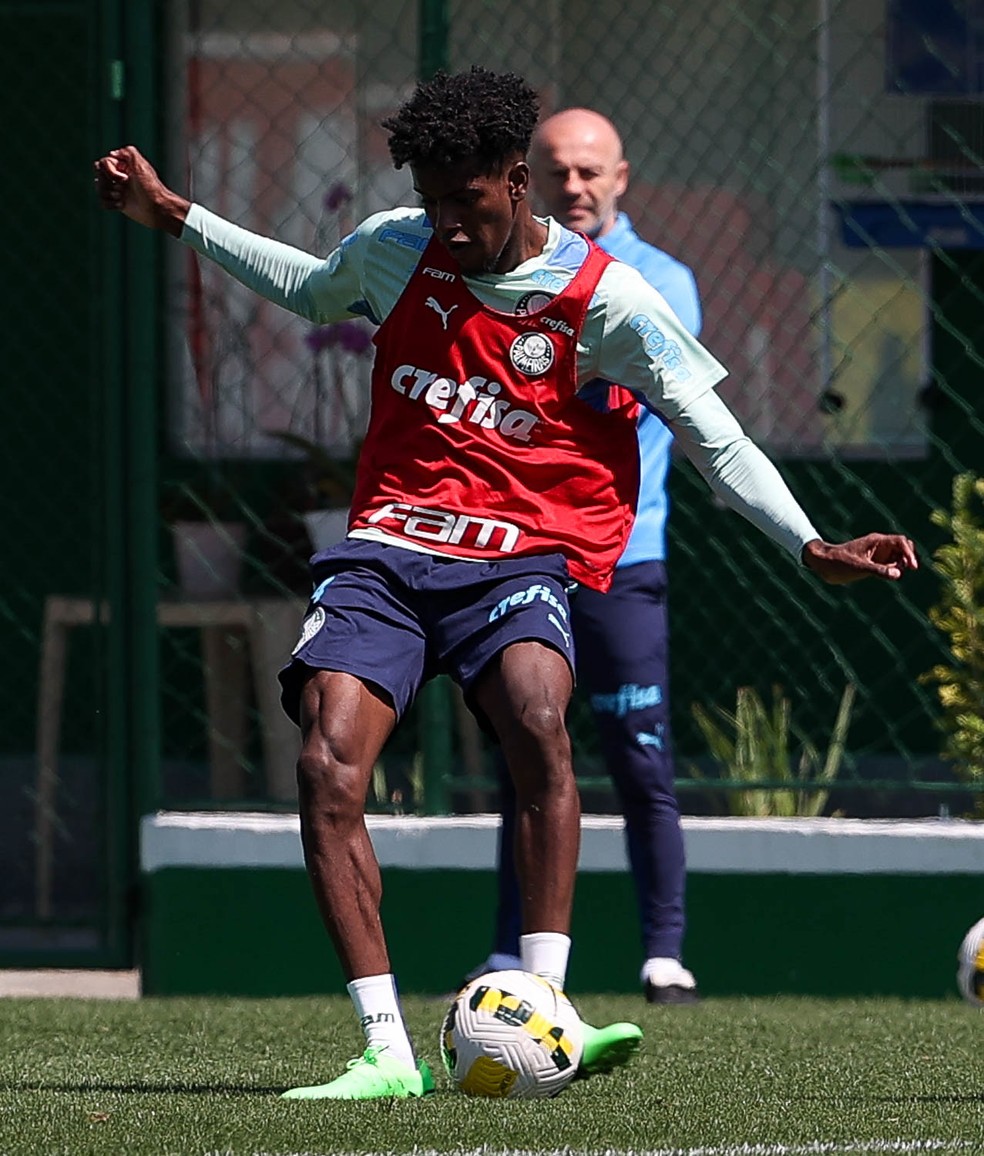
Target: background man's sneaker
{"x": 671, "y": 993}
{"x": 497, "y": 961}
{"x": 609, "y": 1047}
{"x": 668, "y": 981}
{"x": 373, "y": 1076}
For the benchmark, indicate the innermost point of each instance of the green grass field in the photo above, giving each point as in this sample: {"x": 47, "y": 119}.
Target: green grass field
{"x": 759, "y": 1077}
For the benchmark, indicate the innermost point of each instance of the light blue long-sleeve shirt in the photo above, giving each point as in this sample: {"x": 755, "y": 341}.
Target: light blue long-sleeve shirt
{"x": 676, "y": 283}
{"x": 630, "y": 336}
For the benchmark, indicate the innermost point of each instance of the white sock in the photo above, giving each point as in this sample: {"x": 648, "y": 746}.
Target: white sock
{"x": 378, "y": 1007}
{"x": 545, "y": 953}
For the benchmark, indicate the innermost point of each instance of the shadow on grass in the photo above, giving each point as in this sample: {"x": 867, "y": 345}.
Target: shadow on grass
{"x": 141, "y": 1088}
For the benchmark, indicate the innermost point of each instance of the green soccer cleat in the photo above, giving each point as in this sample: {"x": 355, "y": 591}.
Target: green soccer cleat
{"x": 373, "y": 1076}
{"x": 609, "y": 1047}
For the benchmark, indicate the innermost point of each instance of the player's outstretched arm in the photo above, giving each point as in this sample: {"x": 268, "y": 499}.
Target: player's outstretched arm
{"x": 128, "y": 183}
{"x": 319, "y": 290}
{"x": 750, "y": 484}
{"x": 873, "y": 556}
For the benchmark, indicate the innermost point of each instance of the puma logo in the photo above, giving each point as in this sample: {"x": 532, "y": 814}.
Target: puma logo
{"x": 650, "y": 739}
{"x": 444, "y": 314}
{"x": 554, "y": 622}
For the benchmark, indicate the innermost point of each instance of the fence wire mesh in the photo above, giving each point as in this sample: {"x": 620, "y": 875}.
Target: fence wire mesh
{"x": 53, "y": 778}
{"x": 803, "y": 161}
{"x": 819, "y": 166}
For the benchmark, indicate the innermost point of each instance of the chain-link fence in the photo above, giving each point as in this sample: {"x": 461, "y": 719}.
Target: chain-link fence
{"x": 62, "y": 834}
{"x": 819, "y": 166}
{"x": 811, "y": 166}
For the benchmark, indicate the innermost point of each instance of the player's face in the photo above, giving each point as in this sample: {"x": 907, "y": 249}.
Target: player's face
{"x": 473, "y": 213}
{"x": 579, "y": 176}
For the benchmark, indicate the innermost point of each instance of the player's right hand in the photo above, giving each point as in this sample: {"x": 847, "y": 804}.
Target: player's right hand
{"x": 128, "y": 183}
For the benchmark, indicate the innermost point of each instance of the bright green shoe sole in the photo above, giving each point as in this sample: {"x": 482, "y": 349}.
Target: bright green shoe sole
{"x": 371, "y": 1077}
{"x": 608, "y": 1047}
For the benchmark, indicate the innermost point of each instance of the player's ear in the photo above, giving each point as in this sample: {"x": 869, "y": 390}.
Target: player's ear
{"x": 518, "y": 180}
{"x": 621, "y": 177}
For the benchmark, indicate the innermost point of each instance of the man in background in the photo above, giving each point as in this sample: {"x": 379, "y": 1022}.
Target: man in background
{"x": 621, "y": 638}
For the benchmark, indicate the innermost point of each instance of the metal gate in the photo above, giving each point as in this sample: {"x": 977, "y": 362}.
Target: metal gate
{"x": 73, "y": 566}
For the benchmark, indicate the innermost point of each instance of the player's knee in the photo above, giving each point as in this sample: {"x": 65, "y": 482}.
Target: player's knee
{"x": 539, "y": 756}
{"x": 328, "y": 785}
{"x": 542, "y": 723}
{"x": 537, "y": 780}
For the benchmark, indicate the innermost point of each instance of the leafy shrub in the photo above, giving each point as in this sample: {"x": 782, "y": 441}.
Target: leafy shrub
{"x": 959, "y": 614}
{"x": 754, "y": 745}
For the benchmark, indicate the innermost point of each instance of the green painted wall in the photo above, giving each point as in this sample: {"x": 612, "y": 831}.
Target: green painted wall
{"x": 256, "y": 932}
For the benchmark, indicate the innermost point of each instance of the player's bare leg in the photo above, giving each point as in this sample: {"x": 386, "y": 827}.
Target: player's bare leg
{"x": 525, "y": 696}
{"x": 345, "y": 724}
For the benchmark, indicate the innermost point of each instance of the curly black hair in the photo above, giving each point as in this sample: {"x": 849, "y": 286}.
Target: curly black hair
{"x": 480, "y": 115}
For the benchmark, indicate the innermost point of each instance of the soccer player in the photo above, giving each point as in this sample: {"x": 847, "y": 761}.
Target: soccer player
{"x": 485, "y": 487}
{"x": 621, "y": 639}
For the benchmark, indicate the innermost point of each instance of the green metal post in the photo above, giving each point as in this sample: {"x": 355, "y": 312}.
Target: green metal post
{"x": 142, "y": 278}
{"x": 435, "y": 714}
{"x": 433, "y": 38}
{"x": 110, "y": 359}
{"x": 434, "y": 722}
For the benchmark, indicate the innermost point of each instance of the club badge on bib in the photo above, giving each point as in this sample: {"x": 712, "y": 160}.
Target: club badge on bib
{"x": 532, "y": 354}
{"x": 533, "y": 302}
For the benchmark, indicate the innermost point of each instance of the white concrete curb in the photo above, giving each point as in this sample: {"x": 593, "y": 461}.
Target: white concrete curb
{"x": 468, "y": 843}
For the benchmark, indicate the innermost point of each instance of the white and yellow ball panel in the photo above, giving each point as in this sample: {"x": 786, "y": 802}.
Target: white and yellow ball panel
{"x": 511, "y": 1034}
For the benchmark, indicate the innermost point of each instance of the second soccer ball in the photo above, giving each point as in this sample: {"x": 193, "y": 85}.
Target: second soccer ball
{"x": 970, "y": 961}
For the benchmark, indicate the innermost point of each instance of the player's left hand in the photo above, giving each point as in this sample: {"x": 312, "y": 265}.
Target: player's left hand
{"x": 873, "y": 556}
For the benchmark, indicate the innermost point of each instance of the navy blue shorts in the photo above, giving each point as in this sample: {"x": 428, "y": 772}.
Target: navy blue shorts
{"x": 395, "y": 618}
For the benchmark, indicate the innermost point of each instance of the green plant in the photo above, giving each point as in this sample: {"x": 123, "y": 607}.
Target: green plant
{"x": 959, "y": 614}
{"x": 753, "y": 745}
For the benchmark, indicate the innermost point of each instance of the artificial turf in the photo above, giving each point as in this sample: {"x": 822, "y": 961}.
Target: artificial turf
{"x": 191, "y": 1076}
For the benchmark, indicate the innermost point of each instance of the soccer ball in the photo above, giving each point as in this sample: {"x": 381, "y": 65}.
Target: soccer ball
{"x": 970, "y": 972}
{"x": 511, "y": 1034}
